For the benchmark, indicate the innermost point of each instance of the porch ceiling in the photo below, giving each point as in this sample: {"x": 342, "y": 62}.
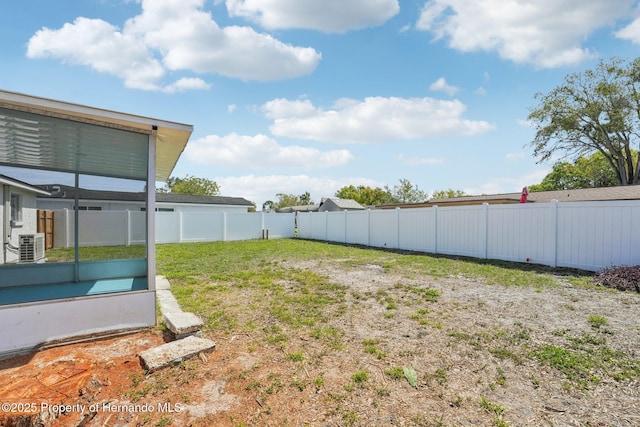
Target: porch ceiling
{"x": 47, "y": 134}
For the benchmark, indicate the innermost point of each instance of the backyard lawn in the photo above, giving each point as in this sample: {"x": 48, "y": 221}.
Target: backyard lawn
{"x": 311, "y": 333}
{"x": 318, "y": 334}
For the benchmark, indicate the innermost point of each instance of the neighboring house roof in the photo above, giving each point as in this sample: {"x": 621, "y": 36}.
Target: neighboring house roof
{"x": 341, "y": 203}
{"x": 301, "y": 208}
{"x": 5, "y": 180}
{"x": 66, "y": 192}
{"x": 623, "y": 192}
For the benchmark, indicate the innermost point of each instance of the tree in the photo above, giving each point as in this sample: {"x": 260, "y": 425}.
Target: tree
{"x": 305, "y": 199}
{"x": 365, "y": 195}
{"x": 585, "y": 172}
{"x": 191, "y": 185}
{"x": 268, "y": 206}
{"x": 286, "y": 200}
{"x": 594, "y": 111}
{"x": 447, "y": 194}
{"x": 406, "y": 192}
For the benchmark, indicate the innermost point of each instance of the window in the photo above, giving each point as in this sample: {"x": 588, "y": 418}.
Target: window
{"x": 89, "y": 208}
{"x": 16, "y": 208}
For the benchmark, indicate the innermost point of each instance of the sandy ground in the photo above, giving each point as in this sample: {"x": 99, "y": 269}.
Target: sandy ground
{"x": 472, "y": 348}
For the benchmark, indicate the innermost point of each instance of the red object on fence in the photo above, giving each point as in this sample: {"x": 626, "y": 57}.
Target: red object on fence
{"x": 524, "y": 195}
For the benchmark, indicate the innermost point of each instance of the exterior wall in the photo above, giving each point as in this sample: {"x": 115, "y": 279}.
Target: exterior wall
{"x": 30, "y": 326}
{"x": 28, "y": 224}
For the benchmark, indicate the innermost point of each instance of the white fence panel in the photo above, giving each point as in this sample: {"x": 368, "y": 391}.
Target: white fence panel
{"x": 383, "y": 226}
{"x": 358, "y": 227}
{"x": 167, "y": 227}
{"x": 318, "y": 226}
{"x": 303, "y": 223}
{"x": 201, "y": 226}
{"x": 337, "y": 226}
{"x": 417, "y": 229}
{"x": 280, "y": 225}
{"x": 595, "y": 235}
{"x": 243, "y": 226}
{"x": 523, "y": 233}
{"x": 462, "y": 230}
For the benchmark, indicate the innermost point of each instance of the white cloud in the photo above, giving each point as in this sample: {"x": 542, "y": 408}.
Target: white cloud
{"x": 481, "y": 91}
{"x": 525, "y": 123}
{"x": 499, "y": 185}
{"x": 259, "y": 152}
{"x": 171, "y": 35}
{"x": 231, "y": 108}
{"x": 514, "y": 157}
{"x": 375, "y": 119}
{"x": 546, "y": 33}
{"x": 419, "y": 161}
{"x": 630, "y": 32}
{"x": 329, "y": 16}
{"x": 259, "y": 188}
{"x": 441, "y": 85}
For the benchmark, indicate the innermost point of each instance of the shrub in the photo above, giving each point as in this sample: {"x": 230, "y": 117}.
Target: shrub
{"x": 624, "y": 278}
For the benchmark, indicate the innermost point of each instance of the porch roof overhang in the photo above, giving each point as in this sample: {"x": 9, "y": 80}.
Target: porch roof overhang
{"x": 49, "y": 134}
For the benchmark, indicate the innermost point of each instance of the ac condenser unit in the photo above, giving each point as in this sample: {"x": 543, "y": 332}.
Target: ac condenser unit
{"x": 31, "y": 247}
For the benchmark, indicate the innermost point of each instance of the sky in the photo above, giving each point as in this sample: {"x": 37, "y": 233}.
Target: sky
{"x": 290, "y": 96}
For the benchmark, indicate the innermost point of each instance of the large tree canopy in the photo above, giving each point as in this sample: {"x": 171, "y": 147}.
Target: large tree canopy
{"x": 594, "y": 111}
{"x": 585, "y": 172}
{"x": 191, "y": 185}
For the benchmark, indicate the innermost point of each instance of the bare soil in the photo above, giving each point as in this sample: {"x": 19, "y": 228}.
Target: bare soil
{"x": 472, "y": 347}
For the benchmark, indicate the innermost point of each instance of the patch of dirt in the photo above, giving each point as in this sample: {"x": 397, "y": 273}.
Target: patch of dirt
{"x": 472, "y": 346}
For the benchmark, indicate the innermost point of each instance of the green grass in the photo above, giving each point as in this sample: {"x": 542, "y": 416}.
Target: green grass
{"x": 96, "y": 253}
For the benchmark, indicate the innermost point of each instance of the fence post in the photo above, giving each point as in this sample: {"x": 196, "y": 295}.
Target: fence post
{"x": 66, "y": 227}
{"x": 345, "y": 225}
{"x": 128, "y": 238}
{"x": 435, "y": 229}
{"x": 326, "y": 226}
{"x": 398, "y": 228}
{"x": 369, "y": 227}
{"x": 484, "y": 239}
{"x": 224, "y": 226}
{"x": 554, "y": 233}
{"x": 180, "y": 234}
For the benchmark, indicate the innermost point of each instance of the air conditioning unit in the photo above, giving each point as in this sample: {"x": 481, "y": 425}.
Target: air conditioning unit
{"x": 31, "y": 247}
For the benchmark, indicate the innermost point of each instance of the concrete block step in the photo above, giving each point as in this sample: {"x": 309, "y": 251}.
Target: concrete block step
{"x": 174, "y": 352}
{"x": 182, "y": 324}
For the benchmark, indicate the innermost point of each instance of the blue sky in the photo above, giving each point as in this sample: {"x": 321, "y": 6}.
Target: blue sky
{"x": 288, "y": 96}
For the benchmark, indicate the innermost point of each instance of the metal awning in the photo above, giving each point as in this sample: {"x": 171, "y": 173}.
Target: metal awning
{"x": 47, "y": 134}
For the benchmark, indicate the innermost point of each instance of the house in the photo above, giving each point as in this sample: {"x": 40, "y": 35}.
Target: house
{"x": 623, "y": 192}
{"x": 301, "y": 208}
{"x": 18, "y": 216}
{"x": 333, "y": 204}
{"x": 80, "y": 297}
{"x": 63, "y": 197}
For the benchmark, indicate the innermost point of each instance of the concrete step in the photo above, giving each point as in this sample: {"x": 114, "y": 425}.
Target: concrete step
{"x": 174, "y": 352}
{"x": 182, "y": 324}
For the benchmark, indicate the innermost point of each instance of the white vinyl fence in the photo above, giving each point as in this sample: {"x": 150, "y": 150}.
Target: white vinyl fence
{"x": 115, "y": 228}
{"x": 584, "y": 235}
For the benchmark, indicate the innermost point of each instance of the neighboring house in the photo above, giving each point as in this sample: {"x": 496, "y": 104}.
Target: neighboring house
{"x": 333, "y": 204}
{"x": 63, "y": 197}
{"x": 301, "y": 208}
{"x": 623, "y": 192}
{"x": 18, "y": 214}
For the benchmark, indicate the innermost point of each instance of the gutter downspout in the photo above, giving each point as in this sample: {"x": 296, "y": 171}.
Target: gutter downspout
{"x": 6, "y": 221}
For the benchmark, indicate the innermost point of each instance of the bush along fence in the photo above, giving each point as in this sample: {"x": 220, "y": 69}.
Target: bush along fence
{"x": 115, "y": 228}
{"x": 583, "y": 235}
